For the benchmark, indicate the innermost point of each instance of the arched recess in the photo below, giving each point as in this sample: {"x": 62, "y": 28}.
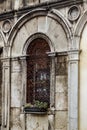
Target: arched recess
{"x": 39, "y": 23}
{"x": 35, "y": 36}
{"x": 42, "y": 18}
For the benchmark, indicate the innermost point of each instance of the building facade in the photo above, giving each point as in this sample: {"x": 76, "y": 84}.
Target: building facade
{"x": 43, "y": 52}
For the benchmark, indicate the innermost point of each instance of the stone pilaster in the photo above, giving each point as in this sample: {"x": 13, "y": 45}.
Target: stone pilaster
{"x": 51, "y": 116}
{"x": 24, "y": 79}
{"x": 6, "y": 94}
{"x": 73, "y": 58}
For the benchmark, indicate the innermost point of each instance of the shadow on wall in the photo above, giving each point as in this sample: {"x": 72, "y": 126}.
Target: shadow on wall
{"x": 1, "y": 1}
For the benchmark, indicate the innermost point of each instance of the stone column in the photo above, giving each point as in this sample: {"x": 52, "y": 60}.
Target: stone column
{"x": 24, "y": 79}
{"x": 51, "y": 116}
{"x": 6, "y": 94}
{"x": 52, "y": 78}
{"x": 73, "y": 58}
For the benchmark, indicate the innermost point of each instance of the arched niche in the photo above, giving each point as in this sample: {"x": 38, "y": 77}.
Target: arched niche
{"x": 54, "y": 29}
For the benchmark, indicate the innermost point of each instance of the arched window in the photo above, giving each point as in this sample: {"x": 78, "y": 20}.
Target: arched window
{"x": 38, "y": 71}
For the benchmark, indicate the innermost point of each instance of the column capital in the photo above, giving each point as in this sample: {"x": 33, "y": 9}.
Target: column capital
{"x": 73, "y": 55}
{"x": 55, "y": 54}
{"x": 51, "y": 54}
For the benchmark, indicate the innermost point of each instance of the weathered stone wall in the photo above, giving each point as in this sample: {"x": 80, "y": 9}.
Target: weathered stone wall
{"x": 55, "y": 32}
{"x": 59, "y": 30}
{"x": 8, "y": 5}
{"x": 61, "y": 94}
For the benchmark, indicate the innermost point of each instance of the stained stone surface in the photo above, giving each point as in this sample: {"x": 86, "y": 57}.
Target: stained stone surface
{"x": 36, "y": 122}
{"x": 16, "y": 90}
{"x": 61, "y": 120}
{"x": 44, "y": 25}
{"x": 15, "y": 119}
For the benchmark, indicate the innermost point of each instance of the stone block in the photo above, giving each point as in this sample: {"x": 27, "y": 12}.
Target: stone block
{"x": 16, "y": 84}
{"x": 16, "y": 66}
{"x": 61, "y": 120}
{"x": 61, "y": 101}
{"x": 15, "y": 119}
{"x": 19, "y": 41}
{"x": 32, "y": 26}
{"x": 61, "y": 84}
{"x": 58, "y": 36}
{"x": 36, "y": 122}
{"x": 43, "y": 24}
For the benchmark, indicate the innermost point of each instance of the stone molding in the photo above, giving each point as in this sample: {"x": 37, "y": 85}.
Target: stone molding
{"x": 74, "y": 9}
{"x": 80, "y": 24}
{"x": 52, "y": 4}
{"x": 54, "y": 14}
{"x": 34, "y": 36}
{"x": 73, "y": 55}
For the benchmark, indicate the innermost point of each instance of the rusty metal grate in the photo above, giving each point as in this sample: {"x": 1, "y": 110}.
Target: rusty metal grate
{"x": 38, "y": 71}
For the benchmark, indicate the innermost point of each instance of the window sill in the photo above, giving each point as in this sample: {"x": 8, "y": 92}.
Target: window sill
{"x": 48, "y": 111}
{"x": 35, "y": 110}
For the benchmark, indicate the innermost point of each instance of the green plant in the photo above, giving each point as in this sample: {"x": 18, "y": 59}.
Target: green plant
{"x": 37, "y": 104}
{"x": 41, "y": 104}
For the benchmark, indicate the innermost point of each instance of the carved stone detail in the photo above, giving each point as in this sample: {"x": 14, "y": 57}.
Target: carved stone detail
{"x": 73, "y": 13}
{"x": 6, "y": 26}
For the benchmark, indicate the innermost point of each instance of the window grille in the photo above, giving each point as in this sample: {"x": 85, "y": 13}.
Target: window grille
{"x": 38, "y": 71}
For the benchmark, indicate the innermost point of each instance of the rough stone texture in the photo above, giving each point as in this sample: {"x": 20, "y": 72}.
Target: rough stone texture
{"x": 61, "y": 120}
{"x": 61, "y": 101}
{"x": 66, "y": 104}
{"x": 36, "y": 122}
{"x": 16, "y": 89}
{"x": 15, "y": 119}
{"x": 56, "y": 33}
{"x": 61, "y": 84}
{"x": 61, "y": 96}
{"x": 41, "y": 24}
{"x": 19, "y": 41}
{"x": 32, "y": 29}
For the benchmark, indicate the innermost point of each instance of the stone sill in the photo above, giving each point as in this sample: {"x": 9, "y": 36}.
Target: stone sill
{"x": 48, "y": 112}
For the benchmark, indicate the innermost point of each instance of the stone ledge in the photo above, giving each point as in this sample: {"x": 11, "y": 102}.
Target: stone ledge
{"x": 48, "y": 5}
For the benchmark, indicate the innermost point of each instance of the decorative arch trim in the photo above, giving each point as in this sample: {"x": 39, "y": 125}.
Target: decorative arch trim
{"x": 35, "y": 36}
{"x": 3, "y": 39}
{"x": 54, "y": 14}
{"x": 80, "y": 25}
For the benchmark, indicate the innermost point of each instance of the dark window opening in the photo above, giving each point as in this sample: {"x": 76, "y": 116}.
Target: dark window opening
{"x": 38, "y": 71}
